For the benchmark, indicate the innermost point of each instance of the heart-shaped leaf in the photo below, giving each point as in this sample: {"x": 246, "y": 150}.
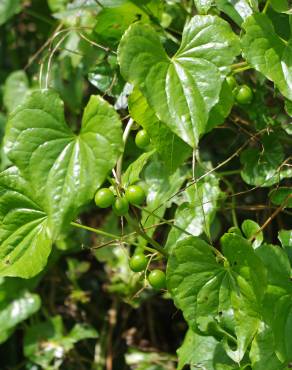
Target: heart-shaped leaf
{"x": 183, "y": 89}
{"x": 208, "y": 291}
{"x": 63, "y": 169}
{"x": 268, "y": 53}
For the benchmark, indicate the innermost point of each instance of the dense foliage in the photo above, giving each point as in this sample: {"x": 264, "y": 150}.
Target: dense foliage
{"x": 145, "y": 185}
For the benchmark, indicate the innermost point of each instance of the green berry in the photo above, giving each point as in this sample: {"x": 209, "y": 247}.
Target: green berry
{"x": 138, "y": 262}
{"x": 104, "y": 198}
{"x": 121, "y": 206}
{"x": 135, "y": 194}
{"x": 244, "y": 95}
{"x": 231, "y": 82}
{"x": 157, "y": 279}
{"x": 142, "y": 139}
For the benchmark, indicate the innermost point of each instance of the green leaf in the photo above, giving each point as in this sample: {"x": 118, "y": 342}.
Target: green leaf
{"x": 68, "y": 81}
{"x": 46, "y": 344}
{"x": 63, "y": 169}
{"x": 282, "y": 328}
{"x": 2, "y": 130}
{"x": 268, "y": 53}
{"x": 281, "y": 196}
{"x": 172, "y": 150}
{"x": 160, "y": 188}
{"x": 81, "y": 332}
{"x": 16, "y": 305}
{"x": 251, "y": 230}
{"x": 288, "y": 107}
{"x": 262, "y": 352}
{"x": 17, "y": 311}
{"x": 278, "y": 273}
{"x": 262, "y": 166}
{"x": 106, "y": 79}
{"x": 183, "y": 89}
{"x": 237, "y": 10}
{"x": 15, "y": 89}
{"x": 57, "y": 5}
{"x": 207, "y": 291}
{"x": 285, "y": 237}
{"x": 8, "y": 8}
{"x": 25, "y": 243}
{"x": 203, "y": 5}
{"x": 77, "y": 9}
{"x": 197, "y": 211}
{"x": 222, "y": 109}
{"x": 111, "y": 23}
{"x": 132, "y": 173}
{"x": 277, "y": 265}
{"x": 148, "y": 360}
{"x": 282, "y": 6}
{"x": 203, "y": 352}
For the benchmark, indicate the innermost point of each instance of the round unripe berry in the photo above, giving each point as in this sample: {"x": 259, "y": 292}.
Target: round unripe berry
{"x": 138, "y": 262}
{"x": 231, "y": 82}
{"x": 157, "y": 279}
{"x": 142, "y": 139}
{"x": 121, "y": 206}
{"x": 135, "y": 194}
{"x": 104, "y": 198}
{"x": 244, "y": 95}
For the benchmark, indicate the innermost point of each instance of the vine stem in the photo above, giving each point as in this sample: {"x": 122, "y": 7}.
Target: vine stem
{"x": 142, "y": 233}
{"x": 238, "y": 70}
{"x": 273, "y": 215}
{"x": 266, "y": 6}
{"x": 120, "y": 160}
{"x": 96, "y": 231}
{"x": 235, "y": 154}
{"x": 51, "y": 57}
{"x": 229, "y": 173}
{"x": 233, "y": 201}
{"x": 239, "y": 65}
{"x": 106, "y": 49}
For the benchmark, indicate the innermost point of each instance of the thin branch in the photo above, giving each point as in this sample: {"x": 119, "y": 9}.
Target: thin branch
{"x": 120, "y": 160}
{"x": 273, "y": 215}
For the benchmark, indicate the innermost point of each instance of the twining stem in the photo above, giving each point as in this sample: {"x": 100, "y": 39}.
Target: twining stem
{"x": 239, "y": 65}
{"x": 238, "y": 70}
{"x": 273, "y": 215}
{"x": 138, "y": 230}
{"x": 164, "y": 221}
{"x": 142, "y": 233}
{"x": 96, "y": 231}
{"x": 229, "y": 173}
{"x": 233, "y": 201}
{"x": 266, "y": 6}
{"x": 120, "y": 160}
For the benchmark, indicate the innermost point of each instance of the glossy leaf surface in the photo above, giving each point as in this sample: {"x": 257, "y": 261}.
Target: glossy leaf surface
{"x": 268, "y": 53}
{"x": 183, "y": 89}
{"x": 63, "y": 169}
{"x": 25, "y": 241}
{"x": 207, "y": 291}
